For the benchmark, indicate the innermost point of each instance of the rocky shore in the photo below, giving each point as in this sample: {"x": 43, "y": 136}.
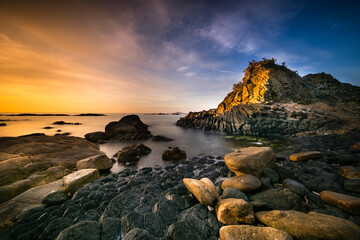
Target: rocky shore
{"x": 274, "y": 100}
{"x": 289, "y": 199}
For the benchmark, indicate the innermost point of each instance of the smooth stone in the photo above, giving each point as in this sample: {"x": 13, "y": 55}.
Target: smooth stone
{"x": 352, "y": 185}
{"x": 294, "y": 186}
{"x": 233, "y": 211}
{"x": 305, "y": 156}
{"x": 204, "y": 190}
{"x": 101, "y": 162}
{"x": 173, "y": 154}
{"x": 345, "y": 202}
{"x": 313, "y": 225}
{"x": 76, "y": 180}
{"x": 245, "y": 183}
{"x": 350, "y": 172}
{"x": 231, "y": 192}
{"x": 246, "y": 232}
{"x": 84, "y": 230}
{"x": 251, "y": 160}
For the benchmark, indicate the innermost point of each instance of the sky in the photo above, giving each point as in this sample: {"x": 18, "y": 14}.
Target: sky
{"x": 162, "y": 56}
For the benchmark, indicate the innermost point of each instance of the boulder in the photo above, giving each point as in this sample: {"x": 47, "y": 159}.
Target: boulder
{"x": 138, "y": 234}
{"x": 204, "y": 190}
{"x": 294, "y": 186}
{"x": 95, "y": 136}
{"x": 231, "y": 192}
{"x": 101, "y": 162}
{"x": 245, "y": 183}
{"x": 252, "y": 160}
{"x": 173, "y": 154}
{"x": 233, "y": 211}
{"x": 110, "y": 227}
{"x": 310, "y": 226}
{"x": 304, "y": 156}
{"x": 345, "y": 202}
{"x": 350, "y": 172}
{"x": 160, "y": 138}
{"x": 84, "y": 230}
{"x": 76, "y": 180}
{"x": 246, "y": 232}
{"x": 132, "y": 153}
{"x": 129, "y": 127}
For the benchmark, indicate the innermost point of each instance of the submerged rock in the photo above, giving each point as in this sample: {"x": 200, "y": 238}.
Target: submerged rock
{"x": 173, "y": 154}
{"x": 347, "y": 203}
{"x": 245, "y": 183}
{"x": 204, "y": 190}
{"x": 129, "y": 127}
{"x": 304, "y": 156}
{"x": 233, "y": 211}
{"x": 245, "y": 232}
{"x": 131, "y": 154}
{"x": 252, "y": 160}
{"x": 160, "y": 138}
{"x": 310, "y": 226}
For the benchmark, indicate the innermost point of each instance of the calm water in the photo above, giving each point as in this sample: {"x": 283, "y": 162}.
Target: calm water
{"x": 192, "y": 141}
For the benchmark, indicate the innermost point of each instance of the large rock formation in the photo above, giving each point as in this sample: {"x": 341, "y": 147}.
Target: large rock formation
{"x": 274, "y": 100}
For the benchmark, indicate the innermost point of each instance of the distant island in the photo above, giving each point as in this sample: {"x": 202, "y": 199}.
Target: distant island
{"x": 175, "y": 113}
{"x": 55, "y": 115}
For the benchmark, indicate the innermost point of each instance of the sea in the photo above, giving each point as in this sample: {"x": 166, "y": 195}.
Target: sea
{"x": 194, "y": 142}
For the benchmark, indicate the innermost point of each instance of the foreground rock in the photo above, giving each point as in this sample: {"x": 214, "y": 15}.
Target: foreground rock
{"x": 204, "y": 190}
{"x": 31, "y": 199}
{"x": 131, "y": 154}
{"x": 100, "y": 162}
{"x": 76, "y": 180}
{"x": 40, "y": 178}
{"x": 347, "y": 203}
{"x": 232, "y": 211}
{"x": 245, "y": 232}
{"x": 22, "y": 156}
{"x": 304, "y": 156}
{"x": 252, "y": 160}
{"x": 245, "y": 183}
{"x": 310, "y": 226}
{"x": 173, "y": 154}
{"x": 83, "y": 230}
{"x": 274, "y": 100}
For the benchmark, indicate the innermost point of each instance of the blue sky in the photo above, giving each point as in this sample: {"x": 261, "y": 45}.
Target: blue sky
{"x": 162, "y": 56}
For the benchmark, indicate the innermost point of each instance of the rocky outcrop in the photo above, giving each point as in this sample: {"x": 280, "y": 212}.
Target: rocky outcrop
{"x": 273, "y": 100}
{"x": 173, "y": 154}
{"x": 129, "y": 127}
{"x": 131, "y": 154}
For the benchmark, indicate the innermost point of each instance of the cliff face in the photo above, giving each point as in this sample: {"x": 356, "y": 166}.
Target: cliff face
{"x": 273, "y": 100}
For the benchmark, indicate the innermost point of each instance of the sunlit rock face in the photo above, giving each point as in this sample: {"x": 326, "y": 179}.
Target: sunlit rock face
{"x": 274, "y": 100}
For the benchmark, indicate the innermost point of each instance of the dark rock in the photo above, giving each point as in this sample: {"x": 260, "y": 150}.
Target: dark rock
{"x": 64, "y": 123}
{"x": 129, "y": 127}
{"x": 231, "y": 192}
{"x": 352, "y": 185}
{"x": 294, "y": 186}
{"x": 2, "y": 124}
{"x": 160, "y": 138}
{"x": 173, "y": 154}
{"x": 132, "y": 220}
{"x": 110, "y": 228}
{"x": 138, "y": 234}
{"x": 47, "y": 127}
{"x": 54, "y": 228}
{"x": 271, "y": 174}
{"x": 95, "y": 136}
{"x": 282, "y": 199}
{"x": 167, "y": 210}
{"x": 83, "y": 230}
{"x": 132, "y": 153}
{"x": 55, "y": 198}
{"x": 154, "y": 224}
